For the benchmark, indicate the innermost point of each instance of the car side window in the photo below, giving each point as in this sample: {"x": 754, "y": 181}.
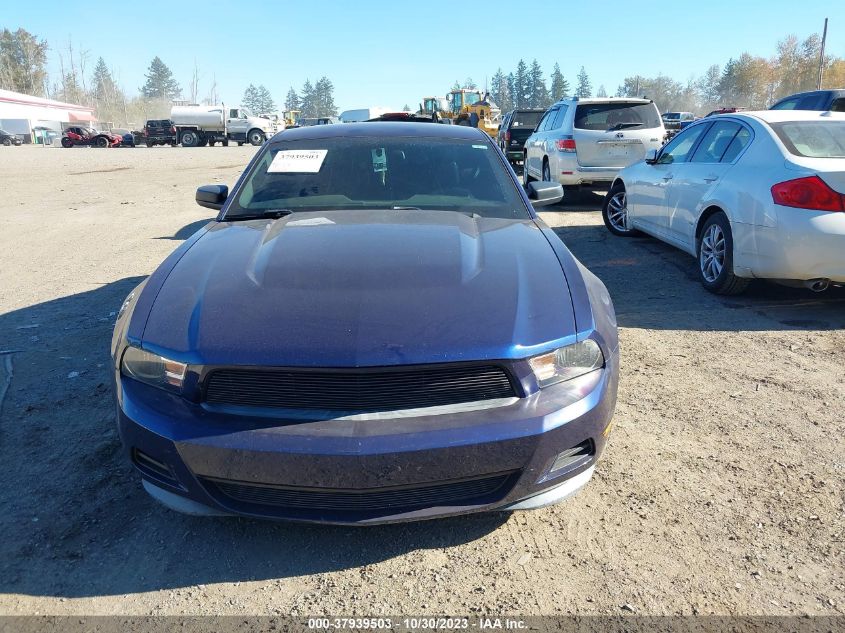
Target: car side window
{"x": 561, "y": 115}
{"x": 548, "y": 120}
{"x": 786, "y": 104}
{"x": 838, "y": 105}
{"x": 739, "y": 143}
{"x": 677, "y": 150}
{"x": 715, "y": 143}
{"x": 542, "y": 122}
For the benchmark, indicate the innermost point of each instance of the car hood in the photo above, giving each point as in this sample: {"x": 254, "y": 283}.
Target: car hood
{"x": 363, "y": 288}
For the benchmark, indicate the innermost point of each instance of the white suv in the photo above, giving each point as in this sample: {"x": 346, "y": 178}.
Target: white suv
{"x": 585, "y": 142}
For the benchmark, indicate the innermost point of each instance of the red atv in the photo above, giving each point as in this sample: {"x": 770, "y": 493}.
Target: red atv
{"x": 87, "y": 136}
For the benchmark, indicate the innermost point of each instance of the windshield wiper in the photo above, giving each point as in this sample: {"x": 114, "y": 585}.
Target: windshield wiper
{"x": 623, "y": 126}
{"x": 264, "y": 213}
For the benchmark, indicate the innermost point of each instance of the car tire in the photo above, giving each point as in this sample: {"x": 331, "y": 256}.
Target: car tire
{"x": 190, "y": 139}
{"x": 240, "y": 144}
{"x": 101, "y": 141}
{"x": 256, "y": 137}
{"x": 714, "y": 250}
{"x": 226, "y": 143}
{"x": 547, "y": 171}
{"x": 7, "y": 142}
{"x": 66, "y": 142}
{"x": 614, "y": 211}
{"x": 211, "y": 143}
{"x": 525, "y": 177}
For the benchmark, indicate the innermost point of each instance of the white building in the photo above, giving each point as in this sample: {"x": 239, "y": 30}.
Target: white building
{"x": 34, "y": 117}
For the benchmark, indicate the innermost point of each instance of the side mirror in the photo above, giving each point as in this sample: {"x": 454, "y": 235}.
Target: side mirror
{"x": 544, "y": 193}
{"x": 212, "y": 196}
{"x": 651, "y": 157}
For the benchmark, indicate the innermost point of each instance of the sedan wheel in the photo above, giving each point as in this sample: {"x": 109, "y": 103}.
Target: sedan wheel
{"x": 715, "y": 257}
{"x": 614, "y": 212}
{"x": 712, "y": 253}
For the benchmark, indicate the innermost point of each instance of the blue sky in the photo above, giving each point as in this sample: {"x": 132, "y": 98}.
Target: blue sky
{"x": 393, "y": 53}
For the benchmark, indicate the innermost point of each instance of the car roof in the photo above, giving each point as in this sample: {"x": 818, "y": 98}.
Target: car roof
{"x": 781, "y": 116}
{"x": 591, "y": 100}
{"x": 381, "y": 128}
{"x": 812, "y": 92}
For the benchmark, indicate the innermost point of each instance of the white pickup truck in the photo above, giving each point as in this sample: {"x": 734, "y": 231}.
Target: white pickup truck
{"x": 197, "y": 126}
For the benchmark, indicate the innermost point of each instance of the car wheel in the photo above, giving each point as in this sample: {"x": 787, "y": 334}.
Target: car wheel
{"x": 66, "y": 142}
{"x": 226, "y": 143}
{"x": 547, "y": 172}
{"x": 525, "y": 177}
{"x": 7, "y": 142}
{"x": 256, "y": 137}
{"x": 240, "y": 144}
{"x": 614, "y": 211}
{"x": 102, "y": 141}
{"x": 715, "y": 257}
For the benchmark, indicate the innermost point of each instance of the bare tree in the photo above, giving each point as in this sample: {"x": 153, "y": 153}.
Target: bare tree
{"x": 195, "y": 82}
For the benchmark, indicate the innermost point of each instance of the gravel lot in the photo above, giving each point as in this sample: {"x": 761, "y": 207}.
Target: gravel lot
{"x": 721, "y": 490}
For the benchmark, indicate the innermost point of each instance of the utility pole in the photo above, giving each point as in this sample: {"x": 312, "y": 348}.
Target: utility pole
{"x": 821, "y": 57}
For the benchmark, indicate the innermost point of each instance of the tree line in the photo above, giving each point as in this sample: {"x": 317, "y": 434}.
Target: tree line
{"x": 23, "y": 68}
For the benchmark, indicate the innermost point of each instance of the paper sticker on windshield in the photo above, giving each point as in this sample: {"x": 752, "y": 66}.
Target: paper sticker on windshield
{"x": 297, "y": 161}
{"x": 479, "y": 147}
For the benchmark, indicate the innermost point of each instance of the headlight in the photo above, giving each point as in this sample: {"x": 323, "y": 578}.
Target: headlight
{"x": 567, "y": 363}
{"x": 153, "y": 369}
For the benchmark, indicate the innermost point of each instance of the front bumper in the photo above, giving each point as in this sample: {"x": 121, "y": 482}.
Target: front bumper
{"x": 204, "y": 455}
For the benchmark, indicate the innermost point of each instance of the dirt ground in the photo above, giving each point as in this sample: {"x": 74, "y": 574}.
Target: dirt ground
{"x": 721, "y": 490}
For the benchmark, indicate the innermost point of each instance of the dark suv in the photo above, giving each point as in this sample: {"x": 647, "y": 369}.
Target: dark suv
{"x": 517, "y": 126}
{"x": 821, "y": 100}
{"x": 159, "y": 132}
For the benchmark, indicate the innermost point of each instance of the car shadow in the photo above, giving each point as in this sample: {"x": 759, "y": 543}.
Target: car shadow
{"x": 186, "y": 231}
{"x": 656, "y": 286}
{"x": 76, "y": 521}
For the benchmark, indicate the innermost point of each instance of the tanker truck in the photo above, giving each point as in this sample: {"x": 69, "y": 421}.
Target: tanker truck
{"x": 197, "y": 126}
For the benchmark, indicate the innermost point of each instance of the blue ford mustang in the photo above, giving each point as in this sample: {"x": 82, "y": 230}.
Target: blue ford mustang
{"x": 376, "y": 327}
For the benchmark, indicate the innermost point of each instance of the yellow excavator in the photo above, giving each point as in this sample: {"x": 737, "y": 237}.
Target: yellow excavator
{"x": 464, "y": 107}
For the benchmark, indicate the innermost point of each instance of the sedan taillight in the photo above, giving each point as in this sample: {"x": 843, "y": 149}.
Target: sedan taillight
{"x": 565, "y": 144}
{"x": 808, "y": 193}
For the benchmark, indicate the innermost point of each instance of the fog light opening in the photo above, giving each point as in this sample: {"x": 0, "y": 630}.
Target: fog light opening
{"x": 570, "y": 459}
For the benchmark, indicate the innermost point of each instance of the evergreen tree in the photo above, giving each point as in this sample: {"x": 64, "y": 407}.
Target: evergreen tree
{"x": 265, "y": 103}
{"x": 407, "y": 108}
{"x": 292, "y": 100}
{"x": 585, "y": 88}
{"x": 104, "y": 89}
{"x": 521, "y": 94}
{"x": 601, "y": 92}
{"x": 160, "y": 82}
{"x": 250, "y": 98}
{"x": 307, "y": 101}
{"x": 324, "y": 98}
{"x": 560, "y": 87}
{"x": 500, "y": 90}
{"x": 538, "y": 92}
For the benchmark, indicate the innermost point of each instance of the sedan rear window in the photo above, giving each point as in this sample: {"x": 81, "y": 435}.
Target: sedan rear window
{"x": 813, "y": 139}
{"x": 348, "y": 173}
{"x": 616, "y": 116}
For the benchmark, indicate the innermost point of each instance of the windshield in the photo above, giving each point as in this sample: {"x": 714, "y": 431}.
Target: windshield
{"x": 668, "y": 116}
{"x": 616, "y": 116}
{"x": 813, "y": 139}
{"x": 526, "y": 119}
{"x": 343, "y": 173}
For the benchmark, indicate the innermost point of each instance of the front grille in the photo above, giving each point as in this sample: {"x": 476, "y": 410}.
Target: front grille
{"x": 364, "y": 390}
{"x": 454, "y": 493}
